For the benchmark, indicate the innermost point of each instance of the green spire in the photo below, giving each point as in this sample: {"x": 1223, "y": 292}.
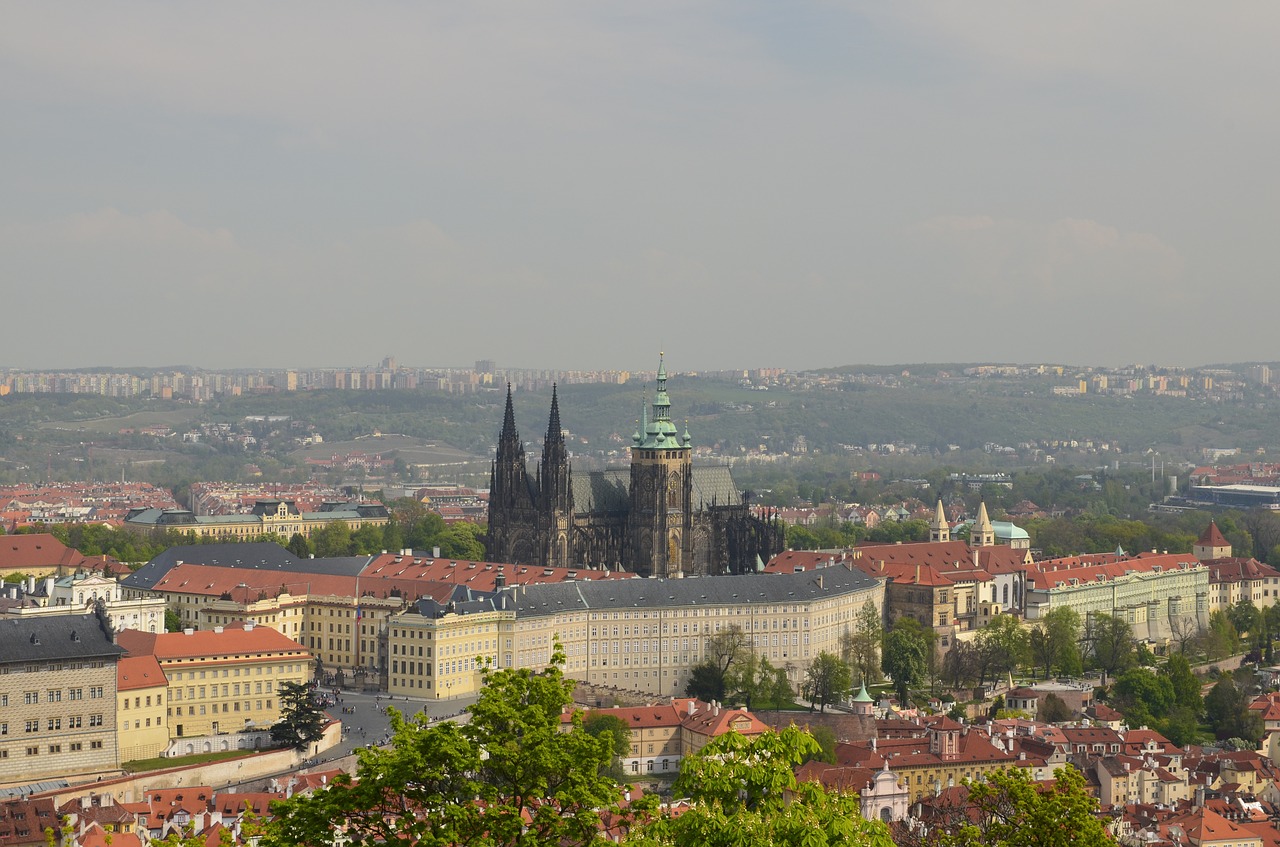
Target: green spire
{"x": 661, "y": 433}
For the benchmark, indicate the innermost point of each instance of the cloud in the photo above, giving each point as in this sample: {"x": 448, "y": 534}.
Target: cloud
{"x": 157, "y": 229}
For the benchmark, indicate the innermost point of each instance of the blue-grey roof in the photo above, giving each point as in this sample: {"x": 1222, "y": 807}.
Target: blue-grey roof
{"x": 745, "y": 589}
{"x": 257, "y": 555}
{"x": 55, "y": 638}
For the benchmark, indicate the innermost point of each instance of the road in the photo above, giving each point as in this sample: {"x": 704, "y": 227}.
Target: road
{"x": 368, "y": 724}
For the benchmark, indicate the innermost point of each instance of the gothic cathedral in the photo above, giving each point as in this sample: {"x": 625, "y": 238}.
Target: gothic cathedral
{"x": 663, "y": 517}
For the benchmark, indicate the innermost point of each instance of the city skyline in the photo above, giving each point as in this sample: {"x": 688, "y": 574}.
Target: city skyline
{"x": 743, "y": 185}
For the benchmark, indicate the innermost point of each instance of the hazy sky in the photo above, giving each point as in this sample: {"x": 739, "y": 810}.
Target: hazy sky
{"x": 579, "y": 185}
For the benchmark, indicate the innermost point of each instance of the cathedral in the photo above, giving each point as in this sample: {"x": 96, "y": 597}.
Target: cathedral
{"x": 662, "y": 517}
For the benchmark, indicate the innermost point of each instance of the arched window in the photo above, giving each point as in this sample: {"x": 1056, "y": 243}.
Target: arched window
{"x": 886, "y": 814}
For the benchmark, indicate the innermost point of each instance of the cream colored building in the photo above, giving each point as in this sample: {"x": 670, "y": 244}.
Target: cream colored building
{"x": 221, "y": 681}
{"x": 77, "y": 593}
{"x": 1155, "y": 593}
{"x": 642, "y": 635}
{"x": 141, "y": 715}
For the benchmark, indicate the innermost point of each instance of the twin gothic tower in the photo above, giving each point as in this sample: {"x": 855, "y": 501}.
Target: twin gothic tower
{"x": 663, "y": 517}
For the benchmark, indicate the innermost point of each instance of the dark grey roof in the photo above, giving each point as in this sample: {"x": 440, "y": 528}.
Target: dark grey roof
{"x": 463, "y": 604}
{"x": 55, "y": 638}
{"x": 249, "y": 556}
{"x": 714, "y": 484}
{"x": 609, "y": 594}
{"x": 601, "y": 491}
{"x": 610, "y": 490}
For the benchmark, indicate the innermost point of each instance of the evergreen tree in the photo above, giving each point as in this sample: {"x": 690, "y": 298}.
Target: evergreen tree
{"x": 301, "y": 720}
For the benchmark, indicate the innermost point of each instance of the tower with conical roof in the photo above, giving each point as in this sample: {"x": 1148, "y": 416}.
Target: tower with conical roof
{"x": 555, "y": 492}
{"x": 661, "y": 489}
{"x": 939, "y": 528}
{"x": 1211, "y": 544}
{"x": 983, "y": 533}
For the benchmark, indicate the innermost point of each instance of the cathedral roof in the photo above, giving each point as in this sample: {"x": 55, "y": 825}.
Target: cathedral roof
{"x": 609, "y": 490}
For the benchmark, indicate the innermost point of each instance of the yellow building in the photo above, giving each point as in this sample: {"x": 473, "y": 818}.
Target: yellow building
{"x": 222, "y": 681}
{"x": 141, "y": 725}
{"x": 642, "y": 635}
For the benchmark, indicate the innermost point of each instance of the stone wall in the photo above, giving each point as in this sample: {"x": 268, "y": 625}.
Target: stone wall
{"x": 846, "y": 727}
{"x": 131, "y": 788}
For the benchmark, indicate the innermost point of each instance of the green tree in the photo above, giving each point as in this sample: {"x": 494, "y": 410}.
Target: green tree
{"x": 511, "y": 776}
{"x": 333, "y": 539}
{"x": 1227, "y": 710}
{"x": 753, "y": 681}
{"x": 1005, "y": 641}
{"x": 726, "y": 649}
{"x": 1141, "y": 694}
{"x": 1053, "y": 642}
{"x": 301, "y": 721}
{"x": 1221, "y": 639}
{"x": 1109, "y": 643}
{"x": 299, "y": 546}
{"x": 1008, "y": 809}
{"x": 172, "y": 623}
{"x": 860, "y": 646}
{"x": 903, "y": 659}
{"x": 1053, "y": 709}
{"x": 743, "y": 793}
{"x": 600, "y": 724}
{"x": 1186, "y": 687}
{"x": 1244, "y": 616}
{"x": 826, "y": 679}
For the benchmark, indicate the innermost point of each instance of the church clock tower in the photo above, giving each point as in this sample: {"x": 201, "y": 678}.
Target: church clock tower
{"x": 661, "y": 514}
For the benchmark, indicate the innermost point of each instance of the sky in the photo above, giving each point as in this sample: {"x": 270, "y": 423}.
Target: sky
{"x": 580, "y": 185}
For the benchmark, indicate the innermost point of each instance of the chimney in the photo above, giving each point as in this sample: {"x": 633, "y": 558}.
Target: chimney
{"x": 218, "y": 629}
{"x": 435, "y": 552}
{"x": 693, "y": 707}
{"x": 188, "y": 631}
{"x": 821, "y": 583}
{"x": 248, "y": 626}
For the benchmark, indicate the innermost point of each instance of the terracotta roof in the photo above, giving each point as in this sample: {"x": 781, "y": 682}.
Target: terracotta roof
{"x": 139, "y": 672}
{"x": 235, "y": 640}
{"x": 44, "y": 551}
{"x": 1212, "y": 537}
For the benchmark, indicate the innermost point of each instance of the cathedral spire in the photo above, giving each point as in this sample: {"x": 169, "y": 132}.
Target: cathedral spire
{"x": 554, "y": 431}
{"x": 510, "y": 446}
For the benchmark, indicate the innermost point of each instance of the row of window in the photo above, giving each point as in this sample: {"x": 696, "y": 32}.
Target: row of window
{"x": 232, "y": 672}
{"x": 228, "y": 690}
{"x": 226, "y": 707}
{"x": 54, "y": 749}
{"x": 53, "y": 695}
{"x": 54, "y": 724}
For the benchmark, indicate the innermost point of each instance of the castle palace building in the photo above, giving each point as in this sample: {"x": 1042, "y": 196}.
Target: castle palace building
{"x": 662, "y": 517}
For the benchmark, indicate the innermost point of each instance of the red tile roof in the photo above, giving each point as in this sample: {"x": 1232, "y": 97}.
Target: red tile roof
{"x": 134, "y": 672}
{"x": 234, "y": 641}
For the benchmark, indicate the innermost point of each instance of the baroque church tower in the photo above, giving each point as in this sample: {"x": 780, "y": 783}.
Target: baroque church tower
{"x": 661, "y": 490}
